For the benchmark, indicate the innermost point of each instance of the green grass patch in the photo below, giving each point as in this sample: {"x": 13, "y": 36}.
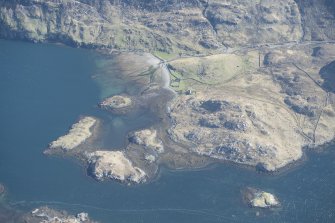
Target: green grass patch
{"x": 164, "y": 55}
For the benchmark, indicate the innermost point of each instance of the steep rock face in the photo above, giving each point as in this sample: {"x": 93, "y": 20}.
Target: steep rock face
{"x": 190, "y": 26}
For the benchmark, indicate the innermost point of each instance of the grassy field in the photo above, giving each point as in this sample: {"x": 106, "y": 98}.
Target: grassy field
{"x": 215, "y": 70}
{"x": 164, "y": 55}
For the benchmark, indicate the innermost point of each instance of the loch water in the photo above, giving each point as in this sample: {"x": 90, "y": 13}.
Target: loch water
{"x": 45, "y": 88}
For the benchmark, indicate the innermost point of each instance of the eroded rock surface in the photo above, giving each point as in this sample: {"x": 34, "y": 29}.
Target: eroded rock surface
{"x": 114, "y": 165}
{"x": 77, "y": 135}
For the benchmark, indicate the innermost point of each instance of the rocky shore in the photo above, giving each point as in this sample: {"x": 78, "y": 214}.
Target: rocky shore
{"x": 252, "y": 98}
{"x": 78, "y": 134}
{"x": 48, "y": 215}
{"x": 262, "y": 117}
{"x": 248, "y": 82}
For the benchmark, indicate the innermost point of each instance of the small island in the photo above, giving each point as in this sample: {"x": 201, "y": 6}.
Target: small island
{"x": 260, "y": 199}
{"x": 118, "y": 104}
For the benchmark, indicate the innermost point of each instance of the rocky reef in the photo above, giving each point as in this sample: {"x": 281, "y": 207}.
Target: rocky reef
{"x": 260, "y": 199}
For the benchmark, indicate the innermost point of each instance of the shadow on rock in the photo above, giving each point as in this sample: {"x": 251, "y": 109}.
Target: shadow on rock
{"x": 328, "y": 74}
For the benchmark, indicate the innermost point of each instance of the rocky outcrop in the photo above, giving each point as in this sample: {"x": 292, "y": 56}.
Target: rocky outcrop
{"x": 118, "y": 104}
{"x": 223, "y": 131}
{"x": 48, "y": 215}
{"x": 147, "y": 138}
{"x": 114, "y": 165}
{"x": 77, "y": 135}
{"x": 260, "y": 199}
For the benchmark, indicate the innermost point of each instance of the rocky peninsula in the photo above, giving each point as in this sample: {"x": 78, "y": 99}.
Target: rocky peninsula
{"x": 78, "y": 134}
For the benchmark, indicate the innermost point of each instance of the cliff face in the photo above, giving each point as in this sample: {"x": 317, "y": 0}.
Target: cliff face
{"x": 170, "y": 26}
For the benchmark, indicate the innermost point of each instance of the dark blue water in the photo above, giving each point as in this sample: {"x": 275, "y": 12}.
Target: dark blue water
{"x": 45, "y": 88}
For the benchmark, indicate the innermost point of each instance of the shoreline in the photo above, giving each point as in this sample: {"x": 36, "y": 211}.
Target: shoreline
{"x": 164, "y": 74}
{"x": 213, "y": 163}
{"x": 164, "y": 83}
